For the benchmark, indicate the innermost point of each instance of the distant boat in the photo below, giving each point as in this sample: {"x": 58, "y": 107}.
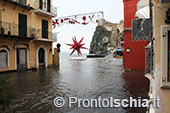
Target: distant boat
{"x": 95, "y": 56}
{"x": 118, "y": 53}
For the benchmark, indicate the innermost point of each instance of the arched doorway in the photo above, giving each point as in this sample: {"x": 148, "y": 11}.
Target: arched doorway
{"x": 41, "y": 57}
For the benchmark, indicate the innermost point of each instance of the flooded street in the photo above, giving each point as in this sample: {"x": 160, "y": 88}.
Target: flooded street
{"x": 89, "y": 79}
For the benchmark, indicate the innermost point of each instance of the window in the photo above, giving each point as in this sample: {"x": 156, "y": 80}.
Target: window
{"x": 45, "y": 5}
{"x": 165, "y": 56}
{"x": 44, "y": 29}
{"x": 3, "y": 58}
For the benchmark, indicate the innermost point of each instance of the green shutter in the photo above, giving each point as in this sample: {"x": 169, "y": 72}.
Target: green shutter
{"x": 49, "y": 5}
{"x": 22, "y": 25}
{"x": 44, "y": 29}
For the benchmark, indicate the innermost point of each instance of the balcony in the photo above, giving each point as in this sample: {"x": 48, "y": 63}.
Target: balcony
{"x": 46, "y": 10}
{"x": 13, "y": 30}
{"x": 43, "y": 35}
{"x": 20, "y": 3}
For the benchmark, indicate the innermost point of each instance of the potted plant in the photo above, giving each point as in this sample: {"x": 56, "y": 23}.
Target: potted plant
{"x": 32, "y": 35}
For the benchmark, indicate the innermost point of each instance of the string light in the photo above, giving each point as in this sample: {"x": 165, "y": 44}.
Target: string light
{"x": 82, "y": 19}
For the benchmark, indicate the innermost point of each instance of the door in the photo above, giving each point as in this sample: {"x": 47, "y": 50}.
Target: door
{"x": 44, "y": 29}
{"x": 41, "y": 57}
{"x": 21, "y": 59}
{"x": 22, "y": 25}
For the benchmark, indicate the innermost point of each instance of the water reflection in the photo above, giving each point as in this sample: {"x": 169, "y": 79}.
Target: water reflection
{"x": 36, "y": 90}
{"x": 136, "y": 85}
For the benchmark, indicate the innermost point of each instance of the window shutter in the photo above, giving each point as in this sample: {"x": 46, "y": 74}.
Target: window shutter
{"x": 165, "y": 83}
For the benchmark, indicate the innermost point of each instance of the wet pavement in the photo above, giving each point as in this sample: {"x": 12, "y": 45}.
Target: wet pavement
{"x": 89, "y": 79}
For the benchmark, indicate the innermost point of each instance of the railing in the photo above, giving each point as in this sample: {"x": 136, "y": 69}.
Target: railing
{"x": 19, "y": 1}
{"x": 54, "y": 36}
{"x": 24, "y": 2}
{"x": 44, "y": 34}
{"x": 54, "y": 10}
{"x": 14, "y": 30}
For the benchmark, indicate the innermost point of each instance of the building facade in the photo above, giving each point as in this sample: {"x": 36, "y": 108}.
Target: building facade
{"x": 134, "y": 52}
{"x": 160, "y": 78}
{"x": 26, "y": 34}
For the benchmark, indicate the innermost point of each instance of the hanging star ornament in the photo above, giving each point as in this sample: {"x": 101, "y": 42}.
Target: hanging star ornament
{"x": 76, "y": 46}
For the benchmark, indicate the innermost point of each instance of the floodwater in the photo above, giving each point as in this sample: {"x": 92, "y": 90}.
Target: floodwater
{"x": 89, "y": 79}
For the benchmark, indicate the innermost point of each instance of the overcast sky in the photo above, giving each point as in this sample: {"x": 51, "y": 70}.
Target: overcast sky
{"x": 113, "y": 12}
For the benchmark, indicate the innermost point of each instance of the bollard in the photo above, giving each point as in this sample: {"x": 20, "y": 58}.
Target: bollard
{"x": 57, "y": 55}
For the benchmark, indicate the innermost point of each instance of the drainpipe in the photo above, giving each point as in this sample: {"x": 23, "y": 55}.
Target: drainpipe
{"x": 151, "y": 35}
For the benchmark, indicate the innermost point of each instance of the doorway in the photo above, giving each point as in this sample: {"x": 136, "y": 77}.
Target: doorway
{"x": 21, "y": 59}
{"x": 41, "y": 57}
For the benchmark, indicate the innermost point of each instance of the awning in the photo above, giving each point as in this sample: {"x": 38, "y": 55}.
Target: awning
{"x": 142, "y": 4}
{"x": 142, "y": 9}
{"x": 143, "y": 13}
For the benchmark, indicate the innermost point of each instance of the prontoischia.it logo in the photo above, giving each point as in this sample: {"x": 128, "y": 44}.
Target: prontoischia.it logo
{"x": 104, "y": 103}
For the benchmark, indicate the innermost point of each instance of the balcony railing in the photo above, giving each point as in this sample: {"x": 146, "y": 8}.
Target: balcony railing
{"x": 11, "y": 29}
{"x": 54, "y": 36}
{"x": 20, "y": 3}
{"x": 54, "y": 10}
{"x": 14, "y": 30}
{"x": 46, "y": 34}
{"x": 24, "y": 2}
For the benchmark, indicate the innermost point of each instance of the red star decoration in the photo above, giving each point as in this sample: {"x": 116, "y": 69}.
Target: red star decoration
{"x": 76, "y": 46}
